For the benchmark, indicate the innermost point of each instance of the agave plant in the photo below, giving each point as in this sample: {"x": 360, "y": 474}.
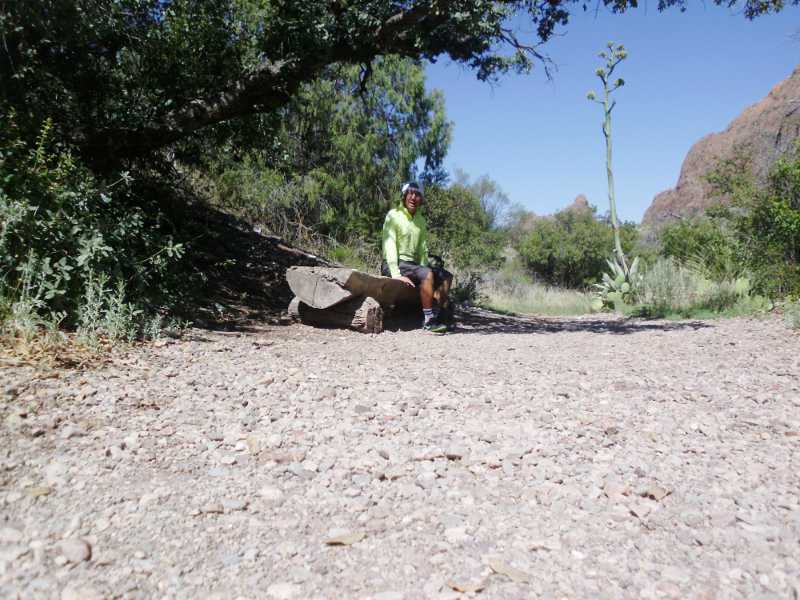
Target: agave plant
{"x": 617, "y": 288}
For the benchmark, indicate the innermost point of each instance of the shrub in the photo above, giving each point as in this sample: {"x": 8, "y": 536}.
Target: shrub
{"x": 765, "y": 221}
{"x": 707, "y": 244}
{"x": 570, "y": 249}
{"x": 62, "y": 230}
{"x": 670, "y": 288}
{"x": 791, "y": 314}
{"x": 460, "y": 230}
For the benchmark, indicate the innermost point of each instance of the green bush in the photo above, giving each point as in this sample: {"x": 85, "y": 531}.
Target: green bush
{"x": 62, "y": 231}
{"x": 668, "y": 287}
{"x": 791, "y": 314}
{"x": 460, "y": 229}
{"x": 765, "y": 222}
{"x": 704, "y": 243}
{"x": 570, "y": 249}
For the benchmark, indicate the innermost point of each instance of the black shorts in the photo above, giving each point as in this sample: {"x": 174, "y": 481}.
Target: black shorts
{"x": 418, "y": 273}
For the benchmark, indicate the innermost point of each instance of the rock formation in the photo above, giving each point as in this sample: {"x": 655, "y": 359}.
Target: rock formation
{"x": 763, "y": 132}
{"x": 580, "y": 203}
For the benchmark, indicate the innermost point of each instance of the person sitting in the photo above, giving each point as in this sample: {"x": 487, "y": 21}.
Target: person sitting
{"x": 405, "y": 254}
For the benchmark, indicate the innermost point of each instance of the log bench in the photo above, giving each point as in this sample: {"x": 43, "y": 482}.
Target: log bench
{"x": 341, "y": 297}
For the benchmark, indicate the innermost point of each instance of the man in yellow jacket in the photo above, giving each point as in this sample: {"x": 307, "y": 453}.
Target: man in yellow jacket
{"x": 405, "y": 254}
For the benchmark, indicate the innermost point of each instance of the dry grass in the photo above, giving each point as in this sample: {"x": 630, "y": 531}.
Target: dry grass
{"x": 513, "y": 294}
{"x": 53, "y": 349}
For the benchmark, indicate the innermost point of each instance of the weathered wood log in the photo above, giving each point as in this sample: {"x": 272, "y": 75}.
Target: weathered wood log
{"x": 323, "y": 287}
{"x": 361, "y": 313}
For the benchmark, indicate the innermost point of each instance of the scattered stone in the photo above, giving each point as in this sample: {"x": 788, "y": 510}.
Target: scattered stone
{"x": 227, "y": 459}
{"x": 283, "y": 591}
{"x": 234, "y": 504}
{"x": 426, "y": 480}
{"x": 75, "y": 550}
{"x": 345, "y": 538}
{"x": 37, "y": 491}
{"x": 271, "y": 493}
{"x": 502, "y": 568}
{"x": 9, "y": 535}
{"x": 81, "y": 592}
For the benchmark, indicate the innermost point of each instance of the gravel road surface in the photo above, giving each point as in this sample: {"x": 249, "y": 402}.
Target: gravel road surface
{"x": 515, "y": 458}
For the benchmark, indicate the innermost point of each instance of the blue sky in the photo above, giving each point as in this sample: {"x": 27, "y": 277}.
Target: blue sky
{"x": 688, "y": 74}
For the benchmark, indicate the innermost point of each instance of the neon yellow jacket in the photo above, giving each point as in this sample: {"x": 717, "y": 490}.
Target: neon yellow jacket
{"x": 404, "y": 238}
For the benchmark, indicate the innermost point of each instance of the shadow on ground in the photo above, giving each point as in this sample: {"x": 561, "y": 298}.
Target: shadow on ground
{"x": 480, "y": 321}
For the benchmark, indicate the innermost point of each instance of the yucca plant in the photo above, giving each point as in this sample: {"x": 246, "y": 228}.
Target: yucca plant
{"x": 617, "y": 288}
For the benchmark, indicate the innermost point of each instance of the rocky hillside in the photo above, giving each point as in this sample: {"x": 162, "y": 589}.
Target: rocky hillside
{"x": 764, "y": 131}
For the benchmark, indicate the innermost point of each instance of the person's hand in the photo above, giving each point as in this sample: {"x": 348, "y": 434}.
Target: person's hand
{"x": 406, "y": 280}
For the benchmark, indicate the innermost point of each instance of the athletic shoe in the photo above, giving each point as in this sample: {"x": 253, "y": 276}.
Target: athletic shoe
{"x": 433, "y": 326}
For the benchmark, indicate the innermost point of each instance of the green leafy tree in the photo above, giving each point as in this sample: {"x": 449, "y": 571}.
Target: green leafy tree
{"x": 123, "y": 79}
{"x": 494, "y": 201}
{"x": 335, "y": 160}
{"x": 765, "y": 221}
{"x": 613, "y": 56}
{"x": 461, "y": 229}
{"x": 570, "y": 248}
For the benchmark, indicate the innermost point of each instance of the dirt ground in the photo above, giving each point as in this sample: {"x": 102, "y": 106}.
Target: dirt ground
{"x": 514, "y": 458}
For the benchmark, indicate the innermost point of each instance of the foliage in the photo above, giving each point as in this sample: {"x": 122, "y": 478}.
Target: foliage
{"x": 670, "y": 288}
{"x": 613, "y": 56}
{"x": 339, "y": 156}
{"x": 302, "y": 111}
{"x": 511, "y": 290}
{"x": 765, "y": 223}
{"x": 494, "y": 201}
{"x": 460, "y": 229}
{"x": 618, "y": 287}
{"x": 704, "y": 243}
{"x": 123, "y": 79}
{"x": 791, "y": 314}
{"x": 570, "y": 248}
{"x": 61, "y": 228}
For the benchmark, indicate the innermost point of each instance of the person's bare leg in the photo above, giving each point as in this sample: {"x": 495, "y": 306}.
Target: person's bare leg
{"x": 426, "y": 291}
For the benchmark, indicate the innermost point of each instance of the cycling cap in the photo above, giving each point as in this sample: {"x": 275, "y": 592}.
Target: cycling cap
{"x": 411, "y": 186}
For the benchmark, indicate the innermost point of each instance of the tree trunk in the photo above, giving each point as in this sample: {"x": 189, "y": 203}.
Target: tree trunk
{"x": 361, "y": 313}
{"x": 323, "y": 287}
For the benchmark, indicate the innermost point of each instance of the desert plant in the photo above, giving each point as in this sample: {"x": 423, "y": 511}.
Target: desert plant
{"x": 618, "y": 287}
{"x": 668, "y": 287}
{"x": 791, "y": 314}
{"x": 613, "y": 56}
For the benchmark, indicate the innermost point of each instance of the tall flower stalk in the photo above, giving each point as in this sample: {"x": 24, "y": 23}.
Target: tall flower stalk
{"x": 613, "y": 55}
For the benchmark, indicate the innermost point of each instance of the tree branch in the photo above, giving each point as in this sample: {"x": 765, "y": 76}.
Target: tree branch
{"x": 411, "y": 32}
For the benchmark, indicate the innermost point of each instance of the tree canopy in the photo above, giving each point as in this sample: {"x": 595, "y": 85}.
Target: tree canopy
{"x": 124, "y": 78}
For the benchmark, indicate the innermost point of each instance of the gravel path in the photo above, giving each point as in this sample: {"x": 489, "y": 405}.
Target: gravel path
{"x": 552, "y": 458}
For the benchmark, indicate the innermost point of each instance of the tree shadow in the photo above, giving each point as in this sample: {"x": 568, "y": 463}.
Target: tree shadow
{"x": 484, "y": 322}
